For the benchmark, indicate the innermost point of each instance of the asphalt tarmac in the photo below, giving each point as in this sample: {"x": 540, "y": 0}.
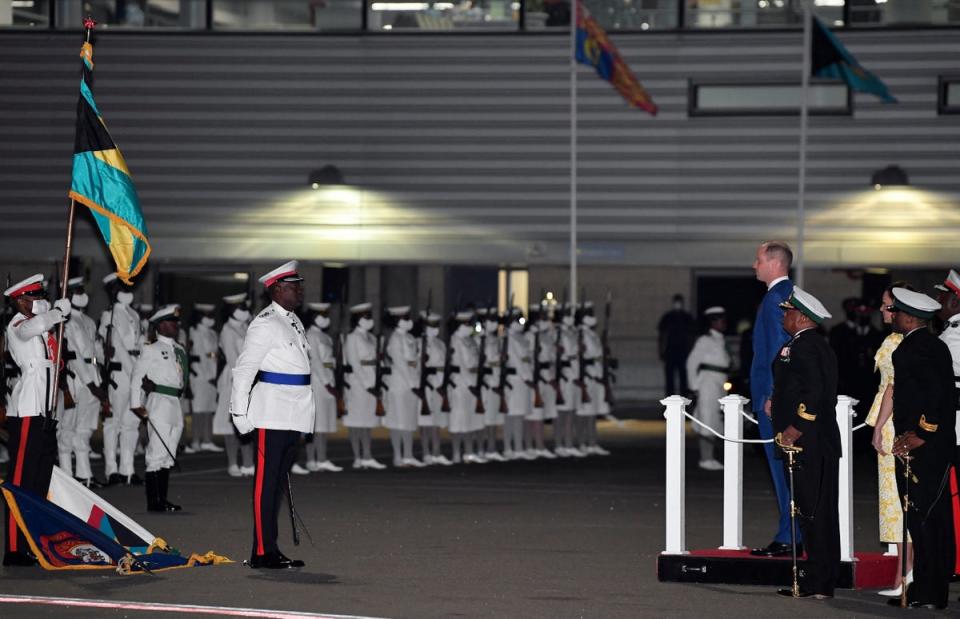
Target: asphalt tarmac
{"x": 553, "y": 539}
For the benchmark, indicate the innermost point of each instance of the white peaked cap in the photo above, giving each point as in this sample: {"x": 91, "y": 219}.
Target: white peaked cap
{"x": 398, "y": 310}
{"x": 716, "y": 310}
{"x": 361, "y": 308}
{"x": 167, "y": 312}
{"x": 34, "y": 282}
{"x": 204, "y": 307}
{"x": 318, "y": 307}
{"x": 235, "y": 299}
{"x": 286, "y": 272}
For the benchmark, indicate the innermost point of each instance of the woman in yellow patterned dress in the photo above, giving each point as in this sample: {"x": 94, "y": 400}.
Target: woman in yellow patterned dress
{"x": 881, "y": 418}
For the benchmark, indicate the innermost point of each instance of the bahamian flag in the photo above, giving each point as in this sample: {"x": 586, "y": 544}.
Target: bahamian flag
{"x": 595, "y": 49}
{"x": 102, "y": 182}
{"x": 830, "y": 59}
{"x": 62, "y": 541}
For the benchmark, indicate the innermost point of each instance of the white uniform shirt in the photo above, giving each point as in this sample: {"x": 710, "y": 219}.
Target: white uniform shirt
{"x": 709, "y": 349}
{"x": 951, "y": 337}
{"x": 231, "y": 341}
{"x": 275, "y": 342}
{"x": 125, "y": 337}
{"x": 519, "y": 358}
{"x": 81, "y": 335}
{"x": 203, "y": 368}
{"x": 158, "y": 362}
{"x": 27, "y": 341}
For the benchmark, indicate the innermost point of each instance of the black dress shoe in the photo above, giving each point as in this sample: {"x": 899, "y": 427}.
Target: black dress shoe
{"x": 171, "y": 507}
{"x": 114, "y": 479}
{"x": 273, "y": 561}
{"x": 916, "y": 604}
{"x": 19, "y": 559}
{"x": 776, "y": 549}
{"x": 90, "y": 483}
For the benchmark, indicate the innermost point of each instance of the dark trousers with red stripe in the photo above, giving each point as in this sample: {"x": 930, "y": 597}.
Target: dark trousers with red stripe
{"x": 276, "y": 452}
{"x": 33, "y": 452}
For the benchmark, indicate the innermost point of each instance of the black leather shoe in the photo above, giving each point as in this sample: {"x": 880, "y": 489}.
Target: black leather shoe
{"x": 916, "y": 604}
{"x": 133, "y": 480}
{"x": 171, "y": 507}
{"x": 90, "y": 483}
{"x": 273, "y": 561}
{"x": 19, "y": 559}
{"x": 776, "y": 549}
{"x": 115, "y": 479}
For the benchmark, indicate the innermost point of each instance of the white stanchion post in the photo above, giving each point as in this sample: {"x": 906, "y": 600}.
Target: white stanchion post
{"x": 676, "y": 523}
{"x": 845, "y": 416}
{"x": 733, "y": 472}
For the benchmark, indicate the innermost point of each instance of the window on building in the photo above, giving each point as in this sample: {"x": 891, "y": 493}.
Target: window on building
{"x": 25, "y": 14}
{"x": 757, "y": 13}
{"x": 756, "y": 99}
{"x": 288, "y": 15}
{"x": 133, "y": 14}
{"x": 904, "y": 12}
{"x": 406, "y": 15}
{"x": 949, "y": 97}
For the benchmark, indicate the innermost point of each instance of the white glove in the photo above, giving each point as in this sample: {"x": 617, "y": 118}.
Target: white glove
{"x": 63, "y": 305}
{"x": 243, "y": 424}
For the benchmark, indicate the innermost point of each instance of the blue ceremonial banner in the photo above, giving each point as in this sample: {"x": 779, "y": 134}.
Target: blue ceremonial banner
{"x": 830, "y": 59}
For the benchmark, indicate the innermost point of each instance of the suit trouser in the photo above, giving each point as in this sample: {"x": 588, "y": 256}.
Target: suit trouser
{"x": 276, "y": 451}
{"x": 930, "y": 523}
{"x": 33, "y": 451}
{"x": 816, "y": 486}
{"x": 66, "y": 435}
{"x": 779, "y": 479}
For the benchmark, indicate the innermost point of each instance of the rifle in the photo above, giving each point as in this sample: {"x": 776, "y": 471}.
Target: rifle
{"x": 106, "y": 372}
{"x": 424, "y": 372}
{"x": 581, "y": 380}
{"x": 191, "y": 358}
{"x": 447, "y": 375}
{"x": 537, "y": 396}
{"x": 379, "y": 386}
{"x": 481, "y": 372}
{"x": 559, "y": 363}
{"x": 340, "y": 368}
{"x": 503, "y": 383}
{"x": 609, "y": 362}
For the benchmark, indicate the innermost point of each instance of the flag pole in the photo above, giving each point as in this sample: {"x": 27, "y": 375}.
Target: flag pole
{"x": 575, "y": 5}
{"x": 802, "y": 180}
{"x": 88, "y": 25}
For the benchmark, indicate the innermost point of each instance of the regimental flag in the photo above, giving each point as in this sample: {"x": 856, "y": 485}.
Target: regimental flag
{"x": 595, "y": 49}
{"x": 830, "y": 59}
{"x": 102, "y": 182}
{"x": 62, "y": 541}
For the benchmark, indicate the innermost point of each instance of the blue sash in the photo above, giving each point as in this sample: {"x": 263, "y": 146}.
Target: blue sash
{"x": 277, "y": 378}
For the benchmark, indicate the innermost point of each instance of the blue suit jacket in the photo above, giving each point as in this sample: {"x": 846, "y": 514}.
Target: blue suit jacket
{"x": 768, "y": 338}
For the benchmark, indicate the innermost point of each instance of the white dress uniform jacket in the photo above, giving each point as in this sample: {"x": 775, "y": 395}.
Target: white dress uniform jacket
{"x": 203, "y": 368}
{"x": 436, "y": 356}
{"x": 322, "y": 365}
{"x": 547, "y": 358}
{"x": 951, "y": 337}
{"x": 124, "y": 324}
{"x": 463, "y": 405}
{"x": 360, "y": 353}
{"x": 491, "y": 399}
{"x": 163, "y": 362}
{"x": 29, "y": 343}
{"x": 81, "y": 335}
{"x": 709, "y": 350}
{"x": 231, "y": 341}
{"x": 593, "y": 357}
{"x": 519, "y": 356}
{"x": 402, "y": 403}
{"x": 275, "y": 342}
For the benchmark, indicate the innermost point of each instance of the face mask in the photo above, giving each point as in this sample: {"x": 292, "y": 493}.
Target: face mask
{"x": 241, "y": 314}
{"x": 433, "y": 331}
{"x": 589, "y": 321}
{"x": 568, "y": 321}
{"x": 124, "y": 298}
{"x": 322, "y": 321}
{"x": 678, "y": 305}
{"x": 365, "y": 324}
{"x": 206, "y": 321}
{"x": 40, "y": 306}
{"x": 79, "y": 301}
{"x": 464, "y": 330}
{"x": 516, "y": 327}
{"x": 490, "y": 327}
{"x": 544, "y": 324}
{"x": 405, "y": 324}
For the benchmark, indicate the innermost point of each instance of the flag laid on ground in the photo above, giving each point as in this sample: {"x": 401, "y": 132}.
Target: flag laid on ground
{"x": 830, "y": 59}
{"x": 595, "y": 49}
{"x": 62, "y": 541}
{"x": 102, "y": 182}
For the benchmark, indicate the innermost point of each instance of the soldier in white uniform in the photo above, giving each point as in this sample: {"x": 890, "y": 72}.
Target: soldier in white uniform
{"x": 31, "y": 341}
{"x": 231, "y": 341}
{"x": 279, "y": 407}
{"x": 322, "y": 366}
{"x": 463, "y": 403}
{"x": 949, "y": 314}
{"x": 708, "y": 365}
{"x": 431, "y": 424}
{"x": 543, "y": 347}
{"x": 519, "y": 383}
{"x": 156, "y": 387}
{"x": 402, "y": 402}
{"x": 588, "y": 412}
{"x": 204, "y": 343}
{"x": 360, "y": 357}
{"x": 491, "y": 341}
{"x": 120, "y": 327}
{"x": 83, "y": 381}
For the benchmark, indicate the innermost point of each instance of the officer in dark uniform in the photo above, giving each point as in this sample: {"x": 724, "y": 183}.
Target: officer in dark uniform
{"x": 802, "y": 409}
{"x": 924, "y": 416}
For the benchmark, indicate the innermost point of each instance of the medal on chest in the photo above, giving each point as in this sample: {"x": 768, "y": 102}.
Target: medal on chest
{"x": 785, "y": 354}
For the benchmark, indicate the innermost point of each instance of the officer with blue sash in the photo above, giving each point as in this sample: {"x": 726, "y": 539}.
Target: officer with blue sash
{"x": 272, "y": 396}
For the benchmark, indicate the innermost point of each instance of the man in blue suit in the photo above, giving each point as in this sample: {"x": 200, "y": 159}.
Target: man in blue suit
{"x": 772, "y": 266}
